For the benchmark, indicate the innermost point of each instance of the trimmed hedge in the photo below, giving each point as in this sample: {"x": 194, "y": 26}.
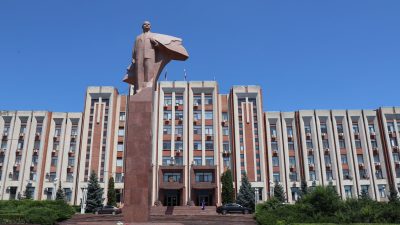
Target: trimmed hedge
{"x": 34, "y": 212}
{"x": 323, "y": 205}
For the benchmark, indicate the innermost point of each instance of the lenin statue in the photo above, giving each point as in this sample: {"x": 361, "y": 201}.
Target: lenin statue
{"x": 151, "y": 53}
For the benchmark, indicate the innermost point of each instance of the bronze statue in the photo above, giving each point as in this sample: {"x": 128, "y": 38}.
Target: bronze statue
{"x": 151, "y": 53}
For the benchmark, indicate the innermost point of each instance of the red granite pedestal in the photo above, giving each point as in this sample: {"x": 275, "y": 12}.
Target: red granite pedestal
{"x": 138, "y": 158}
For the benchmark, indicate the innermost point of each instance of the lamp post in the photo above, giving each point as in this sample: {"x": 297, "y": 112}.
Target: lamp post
{"x": 83, "y": 199}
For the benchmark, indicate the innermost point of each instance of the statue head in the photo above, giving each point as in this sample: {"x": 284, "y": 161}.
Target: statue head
{"x": 146, "y": 26}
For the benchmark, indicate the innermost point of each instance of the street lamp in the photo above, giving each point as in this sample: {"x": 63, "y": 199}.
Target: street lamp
{"x": 83, "y": 199}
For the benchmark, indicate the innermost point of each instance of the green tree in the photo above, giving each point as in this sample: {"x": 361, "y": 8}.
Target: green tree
{"x": 111, "y": 194}
{"x": 28, "y": 193}
{"x": 303, "y": 188}
{"x": 227, "y": 187}
{"x": 279, "y": 192}
{"x": 322, "y": 201}
{"x": 393, "y": 195}
{"x": 94, "y": 193}
{"x": 364, "y": 196}
{"x": 60, "y": 195}
{"x": 246, "y": 193}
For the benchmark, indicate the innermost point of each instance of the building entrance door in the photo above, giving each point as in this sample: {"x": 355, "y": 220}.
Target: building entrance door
{"x": 206, "y": 198}
{"x": 172, "y": 200}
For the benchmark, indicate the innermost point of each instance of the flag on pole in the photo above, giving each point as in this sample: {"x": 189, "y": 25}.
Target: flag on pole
{"x": 184, "y": 71}
{"x": 165, "y": 75}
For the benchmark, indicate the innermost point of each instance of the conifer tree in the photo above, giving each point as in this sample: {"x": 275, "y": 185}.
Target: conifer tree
{"x": 28, "y": 192}
{"x": 227, "y": 187}
{"x": 94, "y": 193}
{"x": 393, "y": 195}
{"x": 111, "y": 194}
{"x": 60, "y": 195}
{"x": 365, "y": 195}
{"x": 279, "y": 193}
{"x": 303, "y": 188}
{"x": 246, "y": 193}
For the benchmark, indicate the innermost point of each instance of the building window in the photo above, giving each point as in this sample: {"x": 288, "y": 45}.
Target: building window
{"x": 209, "y": 145}
{"x": 167, "y": 129}
{"x": 342, "y": 144}
{"x": 356, "y": 128}
{"x": 120, "y": 162}
{"x": 274, "y": 146}
{"x": 312, "y": 175}
{"x": 289, "y": 130}
{"x": 197, "y": 145}
{"x": 209, "y": 130}
{"x": 225, "y": 146}
{"x": 120, "y": 147}
{"x": 374, "y": 144}
{"x": 54, "y": 160}
{"x": 329, "y": 175}
{"x": 275, "y": 161}
{"x": 307, "y": 128}
{"x": 209, "y": 161}
{"x": 365, "y": 189}
{"x": 382, "y": 190}
{"x": 172, "y": 177}
{"x": 276, "y": 177}
{"x": 379, "y": 174}
{"x": 178, "y": 145}
{"x": 197, "y": 100}
{"x": 325, "y": 143}
{"x": 348, "y": 191}
{"x": 179, "y": 130}
{"x": 346, "y": 174}
{"x": 121, "y": 131}
{"x": 166, "y": 161}
{"x": 203, "y": 177}
{"x": 273, "y": 130}
{"x": 327, "y": 159}
{"x": 225, "y": 131}
{"x": 70, "y": 177}
{"x": 68, "y": 194}
{"x": 167, "y": 115}
{"x": 197, "y": 130}
{"x": 119, "y": 178}
{"x": 197, "y": 160}
{"x": 371, "y": 128}
{"x": 208, "y": 115}
{"x": 360, "y": 158}
{"x": 167, "y": 100}
{"x": 291, "y": 145}
{"x": 324, "y": 129}
{"x": 208, "y": 100}
{"x": 179, "y": 115}
{"x": 292, "y": 161}
{"x": 310, "y": 159}
{"x": 196, "y": 115}
{"x": 390, "y": 126}
{"x": 52, "y": 176}
{"x": 122, "y": 116}
{"x": 179, "y": 100}
{"x": 224, "y": 116}
{"x": 166, "y": 145}
{"x": 293, "y": 176}
{"x": 358, "y": 143}
{"x": 344, "y": 158}
{"x": 309, "y": 144}
{"x": 339, "y": 128}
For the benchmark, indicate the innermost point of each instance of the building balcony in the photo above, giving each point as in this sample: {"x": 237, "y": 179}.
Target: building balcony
{"x": 372, "y": 135}
{"x": 395, "y": 148}
{"x": 308, "y": 135}
{"x": 324, "y": 135}
{"x": 2, "y": 151}
{"x": 392, "y": 134}
{"x": 310, "y": 151}
{"x": 341, "y": 135}
{"x": 378, "y": 165}
{"x": 224, "y": 123}
{"x": 275, "y": 152}
{"x": 311, "y": 166}
{"x": 21, "y": 135}
{"x": 290, "y": 137}
{"x": 37, "y": 136}
{"x": 226, "y": 153}
{"x": 273, "y": 137}
{"x": 397, "y": 163}
{"x": 328, "y": 165}
{"x": 327, "y": 151}
{"x": 5, "y": 135}
{"x": 375, "y": 150}
{"x": 356, "y": 135}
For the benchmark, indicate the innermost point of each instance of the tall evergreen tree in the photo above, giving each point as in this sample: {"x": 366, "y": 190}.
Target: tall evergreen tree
{"x": 60, "y": 195}
{"x": 303, "y": 188}
{"x": 393, "y": 195}
{"x": 227, "y": 187}
{"x": 111, "y": 194}
{"x": 364, "y": 196}
{"x": 28, "y": 193}
{"x": 279, "y": 193}
{"x": 94, "y": 193}
{"x": 246, "y": 193}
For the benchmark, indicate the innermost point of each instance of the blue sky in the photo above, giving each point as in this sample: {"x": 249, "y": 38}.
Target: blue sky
{"x": 305, "y": 54}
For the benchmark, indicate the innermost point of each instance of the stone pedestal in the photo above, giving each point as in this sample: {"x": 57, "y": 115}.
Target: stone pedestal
{"x": 138, "y": 174}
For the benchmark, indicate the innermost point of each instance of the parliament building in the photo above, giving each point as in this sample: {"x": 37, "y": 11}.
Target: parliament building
{"x": 198, "y": 133}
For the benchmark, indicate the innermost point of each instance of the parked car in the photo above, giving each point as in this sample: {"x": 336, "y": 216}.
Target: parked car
{"x": 233, "y": 208}
{"x": 108, "y": 209}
